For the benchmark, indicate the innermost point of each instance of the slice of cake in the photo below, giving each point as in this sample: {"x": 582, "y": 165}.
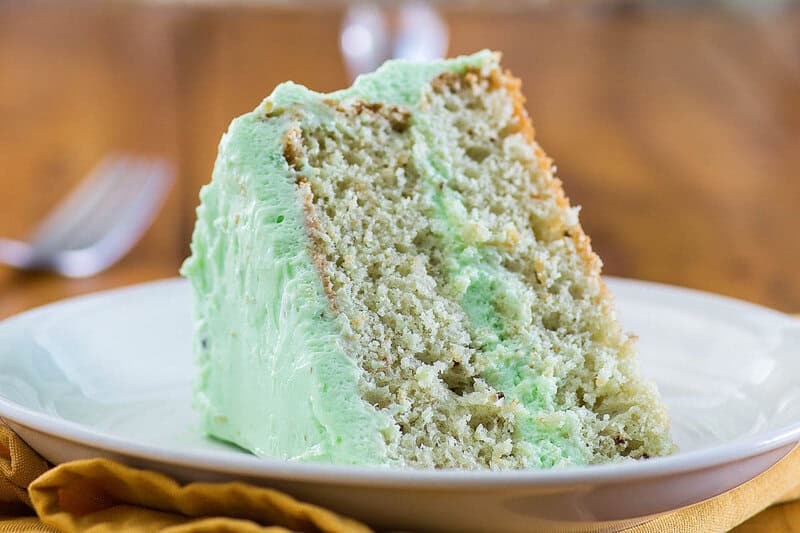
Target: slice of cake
{"x": 391, "y": 274}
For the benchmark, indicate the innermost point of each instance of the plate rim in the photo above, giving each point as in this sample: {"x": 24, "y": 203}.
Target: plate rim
{"x": 252, "y": 466}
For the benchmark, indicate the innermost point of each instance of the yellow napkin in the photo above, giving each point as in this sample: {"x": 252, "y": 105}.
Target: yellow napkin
{"x": 98, "y": 495}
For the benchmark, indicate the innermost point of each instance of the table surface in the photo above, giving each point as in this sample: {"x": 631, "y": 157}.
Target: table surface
{"x": 676, "y": 130}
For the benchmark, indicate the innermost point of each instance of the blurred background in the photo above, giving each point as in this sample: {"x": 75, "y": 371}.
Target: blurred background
{"x": 676, "y": 125}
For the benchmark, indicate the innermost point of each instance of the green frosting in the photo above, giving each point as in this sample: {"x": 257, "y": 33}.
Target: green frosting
{"x": 274, "y": 376}
{"x": 491, "y": 298}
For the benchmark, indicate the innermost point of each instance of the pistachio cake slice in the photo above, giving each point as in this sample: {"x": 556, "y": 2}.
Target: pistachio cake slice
{"x": 391, "y": 274}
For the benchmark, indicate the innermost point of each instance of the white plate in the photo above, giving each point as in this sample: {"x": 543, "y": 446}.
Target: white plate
{"x": 110, "y": 375}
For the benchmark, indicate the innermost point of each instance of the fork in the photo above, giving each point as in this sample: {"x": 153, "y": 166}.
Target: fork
{"x": 98, "y": 222}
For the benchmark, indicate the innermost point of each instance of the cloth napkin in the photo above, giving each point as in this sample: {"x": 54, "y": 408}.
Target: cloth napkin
{"x": 100, "y": 496}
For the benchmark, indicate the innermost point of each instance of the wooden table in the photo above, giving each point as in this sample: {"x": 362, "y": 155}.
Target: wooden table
{"x": 677, "y": 130}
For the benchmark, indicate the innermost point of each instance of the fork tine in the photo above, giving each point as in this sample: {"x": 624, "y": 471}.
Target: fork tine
{"x": 120, "y": 197}
{"x": 71, "y": 213}
{"x": 157, "y": 178}
{"x": 121, "y": 228}
{"x": 15, "y": 253}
